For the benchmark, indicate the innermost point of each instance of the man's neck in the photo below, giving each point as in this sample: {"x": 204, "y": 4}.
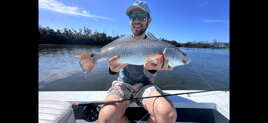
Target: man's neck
{"x": 139, "y": 37}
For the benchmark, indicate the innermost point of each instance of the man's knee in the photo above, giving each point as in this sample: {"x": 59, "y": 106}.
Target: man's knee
{"x": 166, "y": 112}
{"x": 107, "y": 114}
{"x": 171, "y": 114}
{"x": 112, "y": 113}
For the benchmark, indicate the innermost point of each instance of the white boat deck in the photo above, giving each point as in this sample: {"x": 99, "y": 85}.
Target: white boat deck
{"x": 216, "y": 100}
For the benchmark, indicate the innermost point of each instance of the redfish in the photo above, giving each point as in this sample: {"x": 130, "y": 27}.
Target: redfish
{"x": 135, "y": 52}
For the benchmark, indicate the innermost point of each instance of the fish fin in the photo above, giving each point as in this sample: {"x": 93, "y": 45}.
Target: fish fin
{"x": 151, "y": 36}
{"x": 87, "y": 61}
{"x": 146, "y": 58}
{"x": 165, "y": 50}
{"x": 156, "y": 56}
{"x": 153, "y": 60}
{"x": 120, "y": 40}
{"x": 83, "y": 55}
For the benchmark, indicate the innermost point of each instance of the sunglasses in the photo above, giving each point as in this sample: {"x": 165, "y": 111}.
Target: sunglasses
{"x": 141, "y": 17}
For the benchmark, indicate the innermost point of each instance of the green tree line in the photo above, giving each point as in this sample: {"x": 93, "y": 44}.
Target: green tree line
{"x": 199, "y": 44}
{"x": 85, "y": 36}
{"x": 66, "y": 36}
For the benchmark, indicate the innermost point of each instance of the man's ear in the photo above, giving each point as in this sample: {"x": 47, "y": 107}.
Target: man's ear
{"x": 149, "y": 21}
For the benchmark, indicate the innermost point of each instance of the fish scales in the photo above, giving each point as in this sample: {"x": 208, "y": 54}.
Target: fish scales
{"x": 127, "y": 38}
{"x": 135, "y": 52}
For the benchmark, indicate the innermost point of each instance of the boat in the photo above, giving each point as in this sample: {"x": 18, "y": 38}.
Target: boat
{"x": 206, "y": 107}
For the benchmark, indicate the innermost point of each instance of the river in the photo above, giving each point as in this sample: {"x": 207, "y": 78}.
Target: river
{"x": 59, "y": 70}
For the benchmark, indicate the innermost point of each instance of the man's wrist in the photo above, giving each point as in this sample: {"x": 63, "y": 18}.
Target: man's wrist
{"x": 152, "y": 71}
{"x": 111, "y": 72}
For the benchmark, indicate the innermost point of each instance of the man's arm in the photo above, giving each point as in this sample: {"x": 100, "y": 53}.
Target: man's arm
{"x": 152, "y": 71}
{"x": 149, "y": 73}
{"x": 111, "y": 72}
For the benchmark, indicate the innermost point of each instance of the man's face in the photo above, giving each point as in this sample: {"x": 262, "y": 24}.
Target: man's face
{"x": 139, "y": 27}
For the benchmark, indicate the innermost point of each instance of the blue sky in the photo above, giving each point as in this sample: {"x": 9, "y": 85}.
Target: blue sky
{"x": 180, "y": 20}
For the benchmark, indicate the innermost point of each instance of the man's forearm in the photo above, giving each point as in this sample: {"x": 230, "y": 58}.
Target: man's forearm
{"x": 111, "y": 72}
{"x": 150, "y": 73}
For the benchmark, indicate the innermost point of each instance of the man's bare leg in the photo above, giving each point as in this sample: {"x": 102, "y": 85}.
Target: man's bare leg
{"x": 161, "y": 109}
{"x": 113, "y": 113}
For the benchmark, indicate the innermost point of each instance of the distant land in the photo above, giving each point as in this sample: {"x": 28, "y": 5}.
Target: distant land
{"x": 85, "y": 36}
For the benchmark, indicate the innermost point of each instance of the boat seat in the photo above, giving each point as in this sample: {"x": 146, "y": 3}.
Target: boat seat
{"x": 52, "y": 111}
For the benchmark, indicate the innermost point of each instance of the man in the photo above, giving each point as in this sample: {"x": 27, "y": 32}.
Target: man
{"x": 137, "y": 80}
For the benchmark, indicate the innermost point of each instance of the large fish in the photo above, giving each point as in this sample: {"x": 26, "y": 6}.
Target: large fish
{"x": 135, "y": 52}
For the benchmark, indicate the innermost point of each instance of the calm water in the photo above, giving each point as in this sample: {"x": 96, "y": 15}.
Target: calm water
{"x": 59, "y": 70}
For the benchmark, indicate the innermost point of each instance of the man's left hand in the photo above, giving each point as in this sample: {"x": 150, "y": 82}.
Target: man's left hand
{"x": 162, "y": 64}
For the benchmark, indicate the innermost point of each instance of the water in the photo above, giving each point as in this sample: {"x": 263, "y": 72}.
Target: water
{"x": 59, "y": 70}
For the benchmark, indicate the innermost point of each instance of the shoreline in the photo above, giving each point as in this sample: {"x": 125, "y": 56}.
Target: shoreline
{"x": 104, "y": 45}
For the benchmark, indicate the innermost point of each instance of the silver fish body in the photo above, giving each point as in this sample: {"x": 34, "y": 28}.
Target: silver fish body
{"x": 135, "y": 52}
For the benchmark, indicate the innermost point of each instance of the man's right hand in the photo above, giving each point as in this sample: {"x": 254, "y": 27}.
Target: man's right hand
{"x": 115, "y": 67}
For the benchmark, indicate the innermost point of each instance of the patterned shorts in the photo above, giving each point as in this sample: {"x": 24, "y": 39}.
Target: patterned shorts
{"x": 126, "y": 90}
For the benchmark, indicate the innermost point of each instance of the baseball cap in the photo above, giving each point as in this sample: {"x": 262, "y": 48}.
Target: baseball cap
{"x": 138, "y": 4}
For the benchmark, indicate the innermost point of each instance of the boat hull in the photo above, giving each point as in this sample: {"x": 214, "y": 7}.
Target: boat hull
{"x": 209, "y": 107}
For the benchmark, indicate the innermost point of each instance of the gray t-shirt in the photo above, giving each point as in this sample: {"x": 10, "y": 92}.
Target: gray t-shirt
{"x": 133, "y": 73}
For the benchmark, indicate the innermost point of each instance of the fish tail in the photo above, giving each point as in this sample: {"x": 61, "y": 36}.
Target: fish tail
{"x": 87, "y": 61}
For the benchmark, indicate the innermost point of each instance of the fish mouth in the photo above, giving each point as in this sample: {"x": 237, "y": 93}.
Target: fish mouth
{"x": 186, "y": 61}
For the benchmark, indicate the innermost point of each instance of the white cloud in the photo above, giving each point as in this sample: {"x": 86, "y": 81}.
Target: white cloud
{"x": 212, "y": 21}
{"x": 85, "y": 12}
{"x": 53, "y": 5}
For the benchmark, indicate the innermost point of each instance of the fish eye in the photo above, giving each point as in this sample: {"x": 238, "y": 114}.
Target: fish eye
{"x": 183, "y": 54}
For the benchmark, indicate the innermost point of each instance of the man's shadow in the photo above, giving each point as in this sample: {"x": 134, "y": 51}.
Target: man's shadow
{"x": 137, "y": 113}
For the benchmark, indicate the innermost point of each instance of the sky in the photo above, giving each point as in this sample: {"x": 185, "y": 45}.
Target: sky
{"x": 179, "y": 20}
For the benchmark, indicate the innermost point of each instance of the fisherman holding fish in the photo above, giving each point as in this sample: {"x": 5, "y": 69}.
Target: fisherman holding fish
{"x": 137, "y": 58}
